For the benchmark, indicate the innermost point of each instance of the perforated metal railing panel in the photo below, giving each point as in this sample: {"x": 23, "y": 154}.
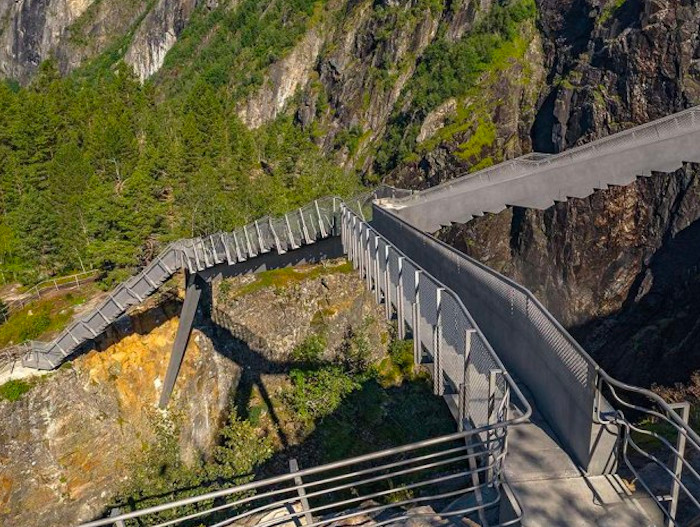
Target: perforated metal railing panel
{"x": 536, "y": 182}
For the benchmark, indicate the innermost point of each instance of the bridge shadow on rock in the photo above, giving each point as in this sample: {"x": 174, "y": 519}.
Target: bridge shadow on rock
{"x": 655, "y": 336}
{"x": 369, "y": 415}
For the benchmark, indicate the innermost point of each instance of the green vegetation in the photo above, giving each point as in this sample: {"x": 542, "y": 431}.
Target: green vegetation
{"x": 280, "y": 279}
{"x": 327, "y": 410}
{"x": 449, "y": 70}
{"x": 609, "y": 10}
{"x": 41, "y": 318}
{"x": 231, "y": 48}
{"x": 99, "y": 171}
{"x": 13, "y": 390}
{"x": 311, "y": 350}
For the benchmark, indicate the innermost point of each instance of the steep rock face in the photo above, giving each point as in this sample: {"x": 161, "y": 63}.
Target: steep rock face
{"x": 99, "y": 28}
{"x": 75, "y": 31}
{"x": 327, "y": 299}
{"x": 69, "y": 444}
{"x": 602, "y": 264}
{"x": 490, "y": 125}
{"x": 615, "y": 64}
{"x": 363, "y": 71}
{"x": 157, "y": 34}
{"x": 596, "y": 262}
{"x": 31, "y": 30}
{"x": 284, "y": 78}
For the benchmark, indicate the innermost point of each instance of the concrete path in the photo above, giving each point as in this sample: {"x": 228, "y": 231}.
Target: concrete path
{"x": 553, "y": 492}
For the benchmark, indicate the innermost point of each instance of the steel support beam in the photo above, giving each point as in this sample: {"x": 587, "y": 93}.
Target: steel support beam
{"x": 184, "y": 330}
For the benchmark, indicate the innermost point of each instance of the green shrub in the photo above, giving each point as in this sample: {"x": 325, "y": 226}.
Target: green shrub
{"x": 13, "y": 390}
{"x": 310, "y": 350}
{"x": 401, "y": 353}
{"x": 316, "y": 394}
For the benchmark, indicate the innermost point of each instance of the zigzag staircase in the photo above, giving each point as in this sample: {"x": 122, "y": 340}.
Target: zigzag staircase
{"x": 305, "y": 226}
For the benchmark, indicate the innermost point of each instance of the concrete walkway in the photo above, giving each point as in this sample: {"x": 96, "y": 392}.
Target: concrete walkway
{"x": 553, "y": 492}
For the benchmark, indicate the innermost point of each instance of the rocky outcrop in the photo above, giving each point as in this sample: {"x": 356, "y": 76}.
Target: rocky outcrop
{"x": 326, "y": 300}
{"x": 490, "y": 125}
{"x": 157, "y": 34}
{"x": 285, "y": 77}
{"x": 71, "y": 442}
{"x": 75, "y": 31}
{"x": 613, "y": 64}
{"x": 31, "y": 31}
{"x": 609, "y": 266}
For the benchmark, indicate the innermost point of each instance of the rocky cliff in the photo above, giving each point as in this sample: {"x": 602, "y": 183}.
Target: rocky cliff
{"x": 418, "y": 92}
{"x": 70, "y": 443}
{"x": 619, "y": 268}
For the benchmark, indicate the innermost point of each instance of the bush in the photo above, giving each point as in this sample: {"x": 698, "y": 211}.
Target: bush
{"x": 316, "y": 394}
{"x": 13, "y": 390}
{"x": 310, "y": 350}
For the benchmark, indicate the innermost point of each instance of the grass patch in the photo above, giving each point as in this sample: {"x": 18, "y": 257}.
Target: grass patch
{"x": 42, "y": 317}
{"x": 285, "y": 277}
{"x": 13, "y": 390}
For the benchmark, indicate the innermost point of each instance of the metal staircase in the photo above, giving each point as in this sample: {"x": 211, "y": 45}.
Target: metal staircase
{"x": 305, "y": 226}
{"x": 538, "y": 180}
{"x": 464, "y": 319}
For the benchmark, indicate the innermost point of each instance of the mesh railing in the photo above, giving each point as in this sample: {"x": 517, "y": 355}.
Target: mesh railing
{"x": 444, "y": 333}
{"x": 387, "y": 486}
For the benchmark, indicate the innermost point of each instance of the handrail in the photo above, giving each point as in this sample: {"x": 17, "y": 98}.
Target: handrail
{"x": 527, "y": 165}
{"x": 513, "y": 386}
{"x": 602, "y": 377}
{"x": 332, "y": 468}
{"x": 53, "y": 284}
{"x": 493, "y": 454}
{"x": 564, "y": 333}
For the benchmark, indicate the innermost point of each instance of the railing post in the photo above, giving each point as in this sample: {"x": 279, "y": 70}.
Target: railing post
{"x": 247, "y": 241}
{"x": 464, "y": 391}
{"x": 399, "y": 301}
{"x": 368, "y": 261}
{"x": 263, "y": 247}
{"x": 377, "y": 289}
{"x": 415, "y": 317}
{"x": 294, "y": 467}
{"x": 492, "y": 418}
{"x": 278, "y": 243}
{"x": 239, "y": 254}
{"x": 387, "y": 285}
{"x": 683, "y": 410}
{"x": 438, "y": 380}
{"x": 290, "y": 234}
{"x": 321, "y": 226}
{"x": 304, "y": 230}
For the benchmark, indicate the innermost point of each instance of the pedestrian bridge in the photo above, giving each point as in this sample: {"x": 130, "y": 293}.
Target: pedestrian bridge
{"x": 544, "y": 435}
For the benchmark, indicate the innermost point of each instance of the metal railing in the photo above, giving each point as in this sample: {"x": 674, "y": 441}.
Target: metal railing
{"x": 622, "y": 405}
{"x": 390, "y": 482}
{"x": 671, "y": 447}
{"x": 661, "y": 129}
{"x": 74, "y": 281}
{"x": 445, "y": 336}
{"x": 304, "y": 226}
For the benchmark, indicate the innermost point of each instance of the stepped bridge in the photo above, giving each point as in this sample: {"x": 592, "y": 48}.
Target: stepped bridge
{"x": 545, "y": 436}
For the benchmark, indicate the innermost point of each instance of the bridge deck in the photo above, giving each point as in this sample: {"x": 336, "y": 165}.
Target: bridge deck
{"x": 538, "y": 182}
